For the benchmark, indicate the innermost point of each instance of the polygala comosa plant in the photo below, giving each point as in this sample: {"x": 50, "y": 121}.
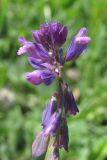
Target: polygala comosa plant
{"x": 45, "y": 55}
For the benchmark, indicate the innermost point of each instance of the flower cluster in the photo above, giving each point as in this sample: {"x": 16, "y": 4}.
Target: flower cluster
{"x": 46, "y": 56}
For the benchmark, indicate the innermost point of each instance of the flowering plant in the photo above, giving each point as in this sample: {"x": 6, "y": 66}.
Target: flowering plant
{"x": 46, "y": 56}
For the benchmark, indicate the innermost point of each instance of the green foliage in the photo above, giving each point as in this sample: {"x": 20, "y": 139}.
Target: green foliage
{"x": 21, "y": 104}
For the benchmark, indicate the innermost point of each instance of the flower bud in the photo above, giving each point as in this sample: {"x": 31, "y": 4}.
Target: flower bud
{"x": 40, "y": 145}
{"x": 40, "y": 76}
{"x": 49, "y": 110}
{"x": 54, "y": 123}
{"x": 78, "y": 45}
{"x": 69, "y": 101}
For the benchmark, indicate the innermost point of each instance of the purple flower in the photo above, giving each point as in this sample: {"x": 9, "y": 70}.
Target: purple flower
{"x": 52, "y": 34}
{"x": 54, "y": 123}
{"x": 69, "y": 101}
{"x": 78, "y": 45}
{"x": 40, "y": 145}
{"x": 40, "y": 76}
{"x": 49, "y": 110}
{"x": 33, "y": 50}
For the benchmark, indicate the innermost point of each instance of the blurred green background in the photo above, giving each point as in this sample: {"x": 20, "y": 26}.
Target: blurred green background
{"x": 21, "y": 104}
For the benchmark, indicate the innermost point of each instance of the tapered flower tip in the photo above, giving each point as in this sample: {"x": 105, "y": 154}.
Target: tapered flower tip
{"x": 82, "y": 32}
{"x": 63, "y": 34}
{"x": 78, "y": 45}
{"x": 40, "y": 144}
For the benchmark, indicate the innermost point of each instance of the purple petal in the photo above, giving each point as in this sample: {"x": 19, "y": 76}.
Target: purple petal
{"x": 36, "y": 63}
{"x": 47, "y": 77}
{"x": 63, "y": 34}
{"x": 40, "y": 76}
{"x": 52, "y": 34}
{"x": 34, "y": 77}
{"x": 34, "y": 50}
{"x": 40, "y": 145}
{"x": 36, "y": 35}
{"x": 82, "y": 32}
{"x": 54, "y": 30}
{"x": 61, "y": 56}
{"x": 54, "y": 124}
{"x": 49, "y": 110}
{"x": 45, "y": 29}
{"x": 58, "y": 34}
{"x": 40, "y": 38}
{"x": 30, "y": 48}
{"x": 22, "y": 40}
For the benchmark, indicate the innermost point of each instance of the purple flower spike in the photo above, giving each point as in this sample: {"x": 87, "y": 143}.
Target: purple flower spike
{"x": 46, "y": 56}
{"x": 49, "y": 110}
{"x": 54, "y": 124}
{"x": 78, "y": 45}
{"x": 40, "y": 145}
{"x": 69, "y": 101}
{"x": 40, "y": 76}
